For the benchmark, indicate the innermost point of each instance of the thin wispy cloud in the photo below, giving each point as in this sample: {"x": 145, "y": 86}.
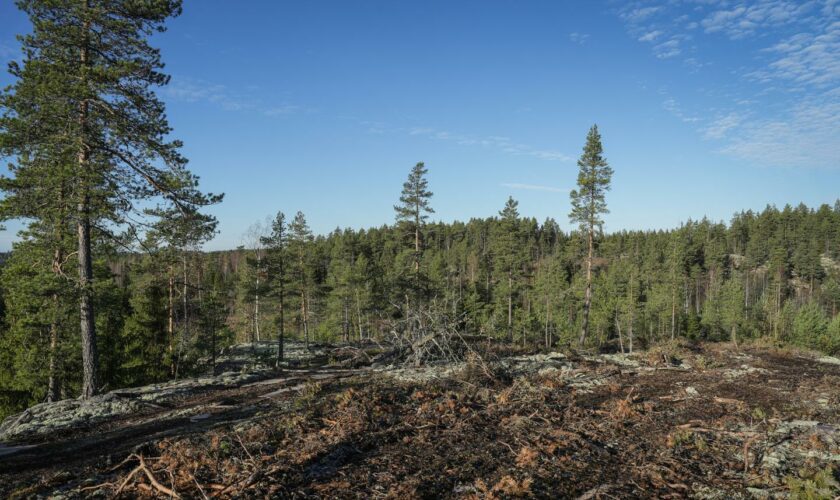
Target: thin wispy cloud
{"x": 283, "y": 109}
{"x": 650, "y": 36}
{"x": 503, "y": 144}
{"x": 721, "y": 126}
{"x": 192, "y": 90}
{"x": 533, "y": 187}
{"x": 578, "y": 38}
{"x": 807, "y": 136}
{"x": 805, "y": 58}
{"x": 791, "y": 119}
{"x": 672, "y": 106}
{"x": 669, "y": 49}
{"x": 745, "y": 18}
{"x": 639, "y": 14}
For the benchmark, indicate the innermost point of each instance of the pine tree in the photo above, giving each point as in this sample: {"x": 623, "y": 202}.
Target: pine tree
{"x": 508, "y": 255}
{"x": 414, "y": 208}
{"x": 180, "y": 232}
{"x": 300, "y": 237}
{"x": 276, "y": 243}
{"x": 588, "y": 205}
{"x": 85, "y": 90}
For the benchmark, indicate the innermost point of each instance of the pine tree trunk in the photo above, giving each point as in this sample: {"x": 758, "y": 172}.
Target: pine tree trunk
{"x": 304, "y": 319}
{"x": 510, "y": 306}
{"x": 547, "y": 323}
{"x": 257, "y": 299}
{"x": 417, "y": 244}
{"x": 527, "y": 316}
{"x": 90, "y": 357}
{"x": 53, "y": 390}
{"x": 673, "y": 313}
{"x": 281, "y": 338}
{"x": 620, "y": 337}
{"x": 87, "y": 325}
{"x": 171, "y": 321}
{"x": 359, "y": 315}
{"x": 185, "y": 304}
{"x": 345, "y": 327}
{"x": 632, "y": 316}
{"x": 587, "y": 298}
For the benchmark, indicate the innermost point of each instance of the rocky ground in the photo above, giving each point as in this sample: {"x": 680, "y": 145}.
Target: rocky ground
{"x": 705, "y": 421}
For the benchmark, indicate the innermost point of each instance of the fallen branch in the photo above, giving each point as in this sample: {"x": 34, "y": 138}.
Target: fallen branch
{"x": 161, "y": 488}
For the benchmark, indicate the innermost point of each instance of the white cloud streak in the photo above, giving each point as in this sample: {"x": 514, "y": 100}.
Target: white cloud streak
{"x": 192, "y": 90}
{"x": 793, "y": 118}
{"x": 721, "y": 126}
{"x": 500, "y": 143}
{"x": 578, "y": 38}
{"x": 533, "y": 187}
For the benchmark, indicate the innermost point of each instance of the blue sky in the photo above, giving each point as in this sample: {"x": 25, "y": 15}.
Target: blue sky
{"x": 706, "y": 107}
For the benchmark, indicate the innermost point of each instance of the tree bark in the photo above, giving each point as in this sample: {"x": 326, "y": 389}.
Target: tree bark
{"x": 53, "y": 387}
{"x": 304, "y": 319}
{"x": 587, "y": 298}
{"x": 620, "y": 337}
{"x": 281, "y": 338}
{"x": 257, "y": 297}
{"x": 510, "y": 306}
{"x": 90, "y": 357}
{"x": 673, "y": 312}
{"x": 170, "y": 327}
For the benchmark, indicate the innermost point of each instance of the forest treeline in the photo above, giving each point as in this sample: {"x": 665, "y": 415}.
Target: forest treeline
{"x": 773, "y": 274}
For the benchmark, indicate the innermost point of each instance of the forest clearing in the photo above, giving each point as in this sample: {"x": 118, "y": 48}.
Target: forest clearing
{"x": 519, "y": 317}
{"x": 701, "y": 421}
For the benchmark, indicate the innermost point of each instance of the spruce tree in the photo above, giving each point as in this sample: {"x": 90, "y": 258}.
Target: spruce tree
{"x": 589, "y": 205}
{"x": 84, "y": 91}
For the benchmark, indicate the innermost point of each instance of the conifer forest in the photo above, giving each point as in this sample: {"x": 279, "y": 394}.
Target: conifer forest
{"x": 497, "y": 356}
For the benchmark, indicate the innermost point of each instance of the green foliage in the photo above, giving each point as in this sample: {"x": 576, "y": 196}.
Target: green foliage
{"x": 810, "y": 326}
{"x": 588, "y": 200}
{"x": 813, "y": 485}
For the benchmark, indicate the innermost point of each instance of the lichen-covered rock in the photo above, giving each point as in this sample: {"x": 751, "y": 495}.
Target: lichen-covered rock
{"x": 50, "y": 418}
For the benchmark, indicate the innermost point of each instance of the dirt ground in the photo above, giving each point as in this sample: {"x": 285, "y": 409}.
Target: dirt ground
{"x": 706, "y": 421}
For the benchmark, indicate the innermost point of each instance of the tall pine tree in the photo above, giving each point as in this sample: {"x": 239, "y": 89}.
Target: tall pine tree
{"x": 588, "y": 205}
{"x": 85, "y": 91}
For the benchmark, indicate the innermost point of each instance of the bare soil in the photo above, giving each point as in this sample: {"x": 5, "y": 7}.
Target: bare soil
{"x": 707, "y": 421}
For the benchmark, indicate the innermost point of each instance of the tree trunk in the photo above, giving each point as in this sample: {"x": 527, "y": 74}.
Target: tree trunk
{"x": 184, "y": 304}
{"x": 345, "y": 326}
{"x": 281, "y": 338}
{"x": 257, "y": 298}
{"x": 304, "y": 319}
{"x": 547, "y": 322}
{"x": 90, "y": 357}
{"x": 673, "y": 313}
{"x": 359, "y": 316}
{"x": 171, "y": 322}
{"x": 53, "y": 387}
{"x": 587, "y": 298}
{"x": 510, "y": 306}
{"x": 620, "y": 338}
{"x": 417, "y": 240}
